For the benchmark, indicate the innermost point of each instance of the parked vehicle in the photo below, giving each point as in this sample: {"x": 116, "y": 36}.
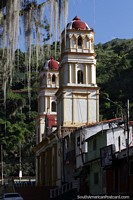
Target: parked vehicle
{"x": 12, "y": 196}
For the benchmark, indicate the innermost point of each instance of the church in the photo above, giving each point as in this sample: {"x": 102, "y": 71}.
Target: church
{"x": 67, "y": 125}
{"x": 68, "y": 97}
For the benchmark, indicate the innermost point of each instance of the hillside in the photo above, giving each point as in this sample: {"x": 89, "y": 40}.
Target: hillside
{"x": 115, "y": 75}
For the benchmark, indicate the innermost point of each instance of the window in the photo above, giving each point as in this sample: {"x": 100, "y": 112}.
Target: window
{"x": 66, "y": 143}
{"x": 78, "y": 141}
{"x": 12, "y": 196}
{"x": 80, "y": 76}
{"x": 53, "y": 78}
{"x": 119, "y": 143}
{"x": 53, "y": 106}
{"x": 96, "y": 178}
{"x": 86, "y": 42}
{"x": 79, "y": 41}
{"x": 49, "y": 79}
{"x": 73, "y": 42}
{"x": 94, "y": 144}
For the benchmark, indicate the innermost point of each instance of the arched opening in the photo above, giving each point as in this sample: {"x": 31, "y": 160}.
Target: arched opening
{"x": 53, "y": 106}
{"x": 73, "y": 42}
{"x": 80, "y": 76}
{"x": 53, "y": 78}
{"x": 79, "y": 41}
{"x": 49, "y": 79}
{"x": 86, "y": 42}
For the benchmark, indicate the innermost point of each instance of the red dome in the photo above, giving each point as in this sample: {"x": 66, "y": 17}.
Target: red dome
{"x": 53, "y": 64}
{"x": 78, "y": 24}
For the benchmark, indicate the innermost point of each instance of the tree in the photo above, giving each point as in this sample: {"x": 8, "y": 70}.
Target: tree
{"x": 114, "y": 75}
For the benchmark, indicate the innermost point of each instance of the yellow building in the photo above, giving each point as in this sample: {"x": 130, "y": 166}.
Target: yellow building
{"x": 68, "y": 94}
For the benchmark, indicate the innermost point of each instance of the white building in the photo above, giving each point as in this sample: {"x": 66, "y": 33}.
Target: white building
{"x": 46, "y": 123}
{"x": 47, "y": 108}
{"x": 97, "y": 148}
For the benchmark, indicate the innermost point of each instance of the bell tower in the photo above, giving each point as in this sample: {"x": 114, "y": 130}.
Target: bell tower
{"x": 78, "y": 94}
{"x": 47, "y": 106}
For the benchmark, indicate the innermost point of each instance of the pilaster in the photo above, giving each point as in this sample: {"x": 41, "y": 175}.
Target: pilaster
{"x": 69, "y": 76}
{"x": 86, "y": 74}
{"x": 75, "y": 73}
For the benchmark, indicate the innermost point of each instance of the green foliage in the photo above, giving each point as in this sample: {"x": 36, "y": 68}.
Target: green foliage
{"x": 14, "y": 103}
{"x": 16, "y": 135}
{"x": 114, "y": 75}
{"x": 17, "y": 123}
{"x": 17, "y": 129}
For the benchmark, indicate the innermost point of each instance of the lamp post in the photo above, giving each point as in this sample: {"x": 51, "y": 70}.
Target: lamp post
{"x": 20, "y": 163}
{"x": 125, "y": 113}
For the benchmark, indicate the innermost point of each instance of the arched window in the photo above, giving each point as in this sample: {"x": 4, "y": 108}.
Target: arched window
{"x": 80, "y": 41}
{"x": 49, "y": 79}
{"x": 53, "y": 106}
{"x": 80, "y": 76}
{"x": 53, "y": 78}
{"x": 73, "y": 42}
{"x": 86, "y": 42}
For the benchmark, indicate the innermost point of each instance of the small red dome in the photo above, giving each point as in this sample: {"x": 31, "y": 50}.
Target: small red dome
{"x": 53, "y": 64}
{"x": 78, "y": 24}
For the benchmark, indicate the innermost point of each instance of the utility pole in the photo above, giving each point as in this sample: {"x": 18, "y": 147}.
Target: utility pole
{"x": 127, "y": 128}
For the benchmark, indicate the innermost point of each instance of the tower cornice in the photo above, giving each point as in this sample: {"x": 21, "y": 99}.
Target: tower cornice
{"x": 62, "y": 89}
{"x": 78, "y": 53}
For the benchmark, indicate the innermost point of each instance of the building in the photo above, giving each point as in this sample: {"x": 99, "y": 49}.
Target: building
{"x": 46, "y": 124}
{"x": 103, "y": 147}
{"x": 102, "y": 151}
{"x": 73, "y": 147}
{"x": 78, "y": 94}
{"x": 73, "y": 86}
{"x": 47, "y": 113}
